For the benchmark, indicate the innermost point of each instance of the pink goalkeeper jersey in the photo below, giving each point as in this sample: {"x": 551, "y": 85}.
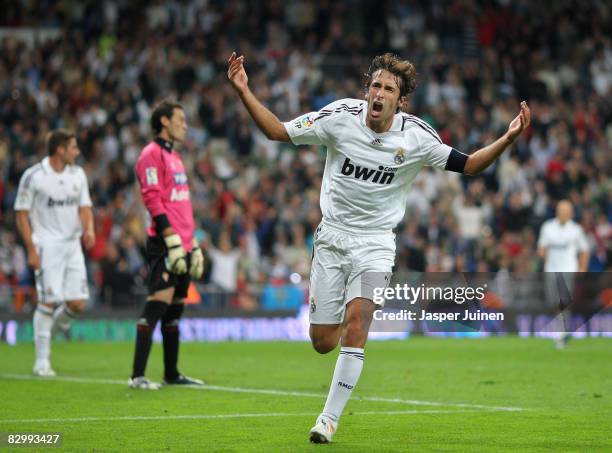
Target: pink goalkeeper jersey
{"x": 164, "y": 189}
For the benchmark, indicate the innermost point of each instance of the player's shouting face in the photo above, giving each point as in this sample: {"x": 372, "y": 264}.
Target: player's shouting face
{"x": 176, "y": 125}
{"x": 383, "y": 98}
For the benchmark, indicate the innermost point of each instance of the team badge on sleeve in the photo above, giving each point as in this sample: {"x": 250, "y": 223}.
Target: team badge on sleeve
{"x": 304, "y": 121}
{"x": 24, "y": 197}
{"x": 151, "y": 173}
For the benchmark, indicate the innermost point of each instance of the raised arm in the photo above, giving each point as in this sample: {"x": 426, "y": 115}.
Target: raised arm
{"x": 266, "y": 121}
{"x": 484, "y": 157}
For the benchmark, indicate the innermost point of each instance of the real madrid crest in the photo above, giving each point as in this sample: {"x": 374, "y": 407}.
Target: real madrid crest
{"x": 400, "y": 156}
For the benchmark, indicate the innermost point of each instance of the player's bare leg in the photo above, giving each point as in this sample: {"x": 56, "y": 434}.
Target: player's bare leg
{"x": 359, "y": 315}
{"x": 325, "y": 337}
{"x": 354, "y": 334}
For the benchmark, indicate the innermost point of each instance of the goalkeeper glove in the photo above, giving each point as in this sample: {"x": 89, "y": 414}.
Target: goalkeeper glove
{"x": 177, "y": 258}
{"x": 197, "y": 261}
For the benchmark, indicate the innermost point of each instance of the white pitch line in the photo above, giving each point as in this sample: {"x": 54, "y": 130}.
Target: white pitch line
{"x": 356, "y": 398}
{"x": 219, "y": 416}
{"x": 29, "y": 377}
{"x": 148, "y": 418}
{"x": 24, "y": 377}
{"x": 438, "y": 404}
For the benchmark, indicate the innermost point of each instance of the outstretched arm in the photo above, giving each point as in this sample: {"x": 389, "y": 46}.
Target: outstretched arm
{"x": 484, "y": 157}
{"x": 266, "y": 121}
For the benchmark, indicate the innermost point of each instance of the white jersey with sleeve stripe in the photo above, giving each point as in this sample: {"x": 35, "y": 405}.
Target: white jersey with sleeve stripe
{"x": 563, "y": 243}
{"x": 368, "y": 175}
{"x": 53, "y": 200}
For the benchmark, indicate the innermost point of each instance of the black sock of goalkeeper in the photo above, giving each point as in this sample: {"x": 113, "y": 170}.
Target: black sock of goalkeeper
{"x": 170, "y": 335}
{"x": 153, "y": 311}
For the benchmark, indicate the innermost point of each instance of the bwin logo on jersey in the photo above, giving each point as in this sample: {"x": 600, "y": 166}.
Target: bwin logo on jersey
{"x": 180, "y": 178}
{"x": 69, "y": 201}
{"x": 384, "y": 175}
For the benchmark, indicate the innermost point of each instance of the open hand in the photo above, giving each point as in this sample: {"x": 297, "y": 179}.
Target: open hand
{"x": 519, "y": 123}
{"x": 236, "y": 73}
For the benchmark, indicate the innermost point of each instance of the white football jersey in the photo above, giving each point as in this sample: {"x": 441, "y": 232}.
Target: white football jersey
{"x": 368, "y": 175}
{"x": 53, "y": 200}
{"x": 563, "y": 243}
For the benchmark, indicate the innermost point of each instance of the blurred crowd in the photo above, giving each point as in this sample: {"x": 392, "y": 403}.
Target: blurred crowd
{"x": 100, "y": 66}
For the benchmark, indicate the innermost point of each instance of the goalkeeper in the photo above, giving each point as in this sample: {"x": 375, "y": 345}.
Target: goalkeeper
{"x": 173, "y": 255}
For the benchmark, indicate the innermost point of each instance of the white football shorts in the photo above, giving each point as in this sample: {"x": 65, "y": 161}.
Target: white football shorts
{"x": 62, "y": 275}
{"x": 345, "y": 265}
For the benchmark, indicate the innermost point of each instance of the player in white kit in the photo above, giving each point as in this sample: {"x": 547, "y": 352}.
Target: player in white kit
{"x": 374, "y": 153}
{"x": 53, "y": 211}
{"x": 565, "y": 250}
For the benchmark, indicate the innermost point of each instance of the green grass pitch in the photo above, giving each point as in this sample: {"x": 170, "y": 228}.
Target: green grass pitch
{"x": 423, "y": 394}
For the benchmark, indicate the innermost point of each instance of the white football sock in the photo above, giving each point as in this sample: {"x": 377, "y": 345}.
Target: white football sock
{"x": 62, "y": 318}
{"x": 43, "y": 321}
{"x": 346, "y": 375}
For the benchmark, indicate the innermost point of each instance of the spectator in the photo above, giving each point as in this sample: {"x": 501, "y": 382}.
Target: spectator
{"x": 225, "y": 261}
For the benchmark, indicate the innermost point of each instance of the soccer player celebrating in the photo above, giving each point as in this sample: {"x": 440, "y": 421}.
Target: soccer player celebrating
{"x": 173, "y": 254}
{"x": 374, "y": 153}
{"x": 53, "y": 211}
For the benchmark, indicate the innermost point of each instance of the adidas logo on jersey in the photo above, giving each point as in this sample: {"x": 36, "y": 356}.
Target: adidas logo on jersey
{"x": 384, "y": 175}
{"x": 377, "y": 142}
